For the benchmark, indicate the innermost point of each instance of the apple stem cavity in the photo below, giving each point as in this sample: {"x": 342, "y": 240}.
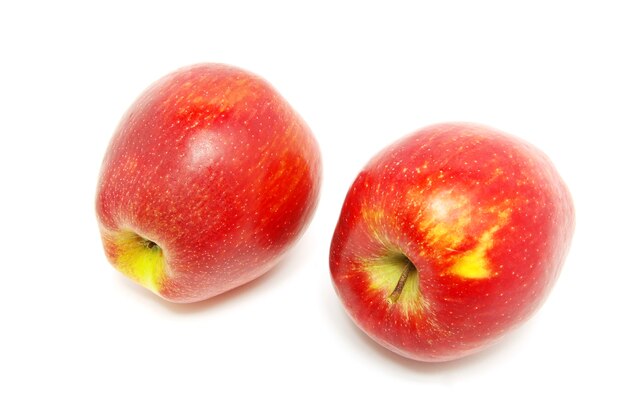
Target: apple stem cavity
{"x": 138, "y": 258}
{"x": 408, "y": 268}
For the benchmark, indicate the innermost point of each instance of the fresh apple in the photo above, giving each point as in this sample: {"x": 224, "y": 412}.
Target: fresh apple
{"x": 210, "y": 177}
{"x": 448, "y": 239}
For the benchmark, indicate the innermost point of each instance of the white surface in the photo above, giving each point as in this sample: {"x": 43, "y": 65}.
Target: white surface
{"x": 81, "y": 341}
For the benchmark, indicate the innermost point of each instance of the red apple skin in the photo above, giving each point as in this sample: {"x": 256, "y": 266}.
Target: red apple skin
{"x": 483, "y": 216}
{"x": 216, "y": 168}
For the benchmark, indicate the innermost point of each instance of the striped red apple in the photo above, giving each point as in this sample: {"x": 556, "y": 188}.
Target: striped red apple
{"x": 210, "y": 177}
{"x": 449, "y": 238}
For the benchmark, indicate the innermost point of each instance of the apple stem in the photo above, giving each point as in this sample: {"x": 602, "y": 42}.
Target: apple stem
{"x": 400, "y": 285}
{"x": 148, "y": 243}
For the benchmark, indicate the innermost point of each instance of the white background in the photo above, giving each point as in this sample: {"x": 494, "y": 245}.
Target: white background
{"x": 79, "y": 340}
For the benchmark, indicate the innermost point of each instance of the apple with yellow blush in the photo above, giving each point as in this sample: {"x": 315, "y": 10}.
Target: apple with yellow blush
{"x": 449, "y": 238}
{"x": 209, "y": 179}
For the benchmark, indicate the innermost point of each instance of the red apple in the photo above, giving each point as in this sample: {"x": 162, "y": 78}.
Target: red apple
{"x": 210, "y": 177}
{"x": 448, "y": 239}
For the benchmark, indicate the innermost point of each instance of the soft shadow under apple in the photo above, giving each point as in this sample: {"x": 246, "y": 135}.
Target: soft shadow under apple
{"x": 285, "y": 268}
{"x": 489, "y": 355}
